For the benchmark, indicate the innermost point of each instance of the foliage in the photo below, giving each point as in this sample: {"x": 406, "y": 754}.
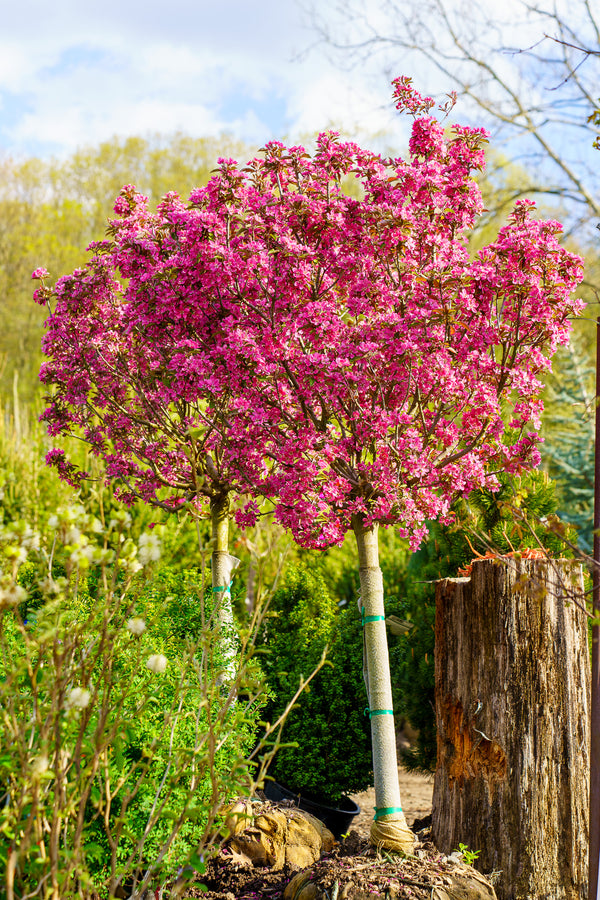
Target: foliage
{"x": 469, "y": 856}
{"x": 182, "y": 628}
{"x": 28, "y": 488}
{"x": 569, "y": 431}
{"x": 52, "y": 210}
{"x": 32, "y": 491}
{"x": 119, "y": 748}
{"x": 520, "y": 515}
{"x": 331, "y": 752}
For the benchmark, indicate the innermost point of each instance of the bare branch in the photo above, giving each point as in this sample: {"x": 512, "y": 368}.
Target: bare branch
{"x": 536, "y": 96}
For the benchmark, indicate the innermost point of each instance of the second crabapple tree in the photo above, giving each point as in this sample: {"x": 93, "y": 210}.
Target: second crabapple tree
{"x": 124, "y": 382}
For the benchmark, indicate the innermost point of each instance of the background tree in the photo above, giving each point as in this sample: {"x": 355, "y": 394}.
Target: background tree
{"x": 570, "y": 403}
{"x": 524, "y": 74}
{"x": 51, "y": 210}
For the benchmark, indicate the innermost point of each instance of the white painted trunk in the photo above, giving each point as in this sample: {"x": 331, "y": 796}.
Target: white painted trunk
{"x": 379, "y": 689}
{"x": 223, "y": 566}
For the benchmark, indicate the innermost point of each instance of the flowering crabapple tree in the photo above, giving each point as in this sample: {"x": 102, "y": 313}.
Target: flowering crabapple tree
{"x": 346, "y": 355}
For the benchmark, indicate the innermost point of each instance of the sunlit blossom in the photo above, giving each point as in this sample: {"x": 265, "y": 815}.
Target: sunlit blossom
{"x": 77, "y": 698}
{"x": 39, "y": 765}
{"x": 136, "y": 626}
{"x": 157, "y": 663}
{"x": 149, "y": 548}
{"x": 12, "y": 594}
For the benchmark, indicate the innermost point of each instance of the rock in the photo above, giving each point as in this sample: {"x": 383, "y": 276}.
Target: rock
{"x": 238, "y": 816}
{"x": 252, "y": 847}
{"x": 301, "y": 888}
{"x": 305, "y": 841}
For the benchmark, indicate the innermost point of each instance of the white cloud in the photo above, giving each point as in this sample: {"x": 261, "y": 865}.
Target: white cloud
{"x": 77, "y": 126}
{"x": 341, "y": 100}
{"x": 74, "y": 73}
{"x": 85, "y": 73}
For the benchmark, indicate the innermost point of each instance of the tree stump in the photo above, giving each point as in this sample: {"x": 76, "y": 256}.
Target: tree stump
{"x": 512, "y": 682}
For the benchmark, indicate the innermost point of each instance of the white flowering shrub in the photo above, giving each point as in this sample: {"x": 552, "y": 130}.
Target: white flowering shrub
{"x": 118, "y": 747}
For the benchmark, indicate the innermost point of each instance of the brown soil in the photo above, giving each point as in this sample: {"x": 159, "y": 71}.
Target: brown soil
{"x": 352, "y": 871}
{"x": 351, "y": 859}
{"x": 416, "y": 792}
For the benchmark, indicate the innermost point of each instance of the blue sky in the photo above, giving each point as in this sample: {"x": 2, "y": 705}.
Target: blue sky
{"x": 74, "y": 73}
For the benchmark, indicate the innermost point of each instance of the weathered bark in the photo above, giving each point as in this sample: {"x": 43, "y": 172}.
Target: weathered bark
{"x": 512, "y": 703}
{"x": 390, "y": 828}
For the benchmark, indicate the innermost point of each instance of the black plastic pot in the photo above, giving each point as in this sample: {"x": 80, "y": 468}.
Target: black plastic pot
{"x": 337, "y": 818}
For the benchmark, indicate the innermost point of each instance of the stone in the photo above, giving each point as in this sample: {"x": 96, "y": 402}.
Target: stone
{"x": 301, "y": 888}
{"x": 238, "y": 816}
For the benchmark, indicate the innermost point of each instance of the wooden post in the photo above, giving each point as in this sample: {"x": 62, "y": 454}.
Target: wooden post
{"x": 594, "y": 853}
{"x": 512, "y": 676}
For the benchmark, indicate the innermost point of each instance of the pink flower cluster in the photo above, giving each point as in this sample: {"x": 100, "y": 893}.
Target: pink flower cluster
{"x": 342, "y": 355}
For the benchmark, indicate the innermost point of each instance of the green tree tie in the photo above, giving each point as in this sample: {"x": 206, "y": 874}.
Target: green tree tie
{"x": 366, "y": 619}
{"x": 386, "y": 811}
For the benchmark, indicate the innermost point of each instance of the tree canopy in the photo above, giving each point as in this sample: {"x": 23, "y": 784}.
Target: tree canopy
{"x": 342, "y": 356}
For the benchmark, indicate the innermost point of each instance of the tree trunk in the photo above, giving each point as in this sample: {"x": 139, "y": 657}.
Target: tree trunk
{"x": 512, "y": 701}
{"x": 223, "y": 567}
{"x": 389, "y": 828}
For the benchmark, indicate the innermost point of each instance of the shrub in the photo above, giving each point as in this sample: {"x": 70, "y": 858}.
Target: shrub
{"x": 332, "y": 755}
{"x": 119, "y": 747}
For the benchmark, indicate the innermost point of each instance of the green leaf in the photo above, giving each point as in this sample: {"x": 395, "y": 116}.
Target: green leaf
{"x": 95, "y": 851}
{"x": 197, "y": 863}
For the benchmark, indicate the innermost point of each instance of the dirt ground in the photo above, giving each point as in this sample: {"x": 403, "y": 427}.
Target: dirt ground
{"x": 352, "y": 860}
{"x": 353, "y": 870}
{"x": 416, "y": 792}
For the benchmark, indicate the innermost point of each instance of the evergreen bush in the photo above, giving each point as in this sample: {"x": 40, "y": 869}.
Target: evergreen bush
{"x": 119, "y": 746}
{"x": 568, "y": 451}
{"x": 330, "y": 732}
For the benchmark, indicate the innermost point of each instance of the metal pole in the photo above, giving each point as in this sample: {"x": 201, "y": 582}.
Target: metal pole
{"x": 594, "y": 851}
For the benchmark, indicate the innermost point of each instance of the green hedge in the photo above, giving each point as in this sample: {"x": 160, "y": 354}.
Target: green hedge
{"x": 333, "y": 752}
